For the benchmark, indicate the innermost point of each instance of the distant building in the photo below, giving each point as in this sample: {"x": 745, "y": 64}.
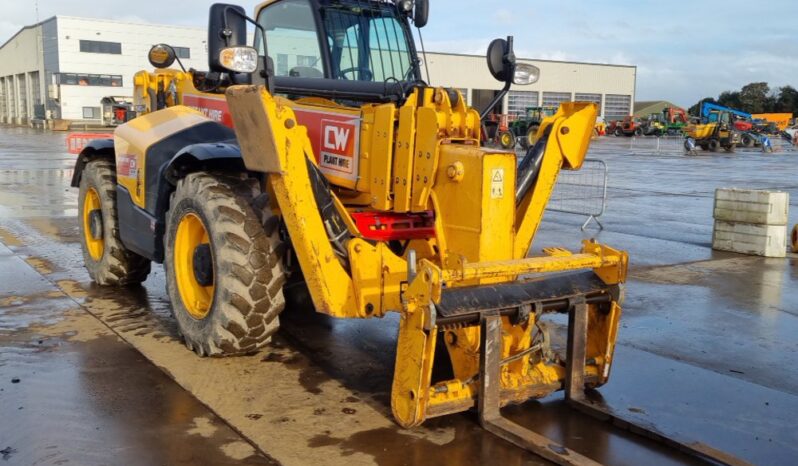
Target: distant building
{"x": 64, "y": 66}
{"x": 647, "y": 107}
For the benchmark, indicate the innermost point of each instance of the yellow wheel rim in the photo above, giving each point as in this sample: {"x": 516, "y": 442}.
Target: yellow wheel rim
{"x": 532, "y": 135}
{"x": 94, "y": 245}
{"x": 506, "y": 140}
{"x": 190, "y": 234}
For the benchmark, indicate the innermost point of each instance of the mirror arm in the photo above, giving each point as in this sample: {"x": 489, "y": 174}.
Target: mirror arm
{"x": 496, "y": 100}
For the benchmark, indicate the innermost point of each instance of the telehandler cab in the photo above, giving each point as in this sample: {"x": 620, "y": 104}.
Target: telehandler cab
{"x": 321, "y": 154}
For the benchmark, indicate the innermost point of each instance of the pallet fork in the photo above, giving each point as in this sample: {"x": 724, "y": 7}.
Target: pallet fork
{"x": 491, "y": 419}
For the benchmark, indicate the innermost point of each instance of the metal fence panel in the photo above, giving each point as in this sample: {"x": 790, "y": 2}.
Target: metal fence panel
{"x": 582, "y": 192}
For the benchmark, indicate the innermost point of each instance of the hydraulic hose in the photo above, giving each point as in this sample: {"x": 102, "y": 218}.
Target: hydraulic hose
{"x": 529, "y": 168}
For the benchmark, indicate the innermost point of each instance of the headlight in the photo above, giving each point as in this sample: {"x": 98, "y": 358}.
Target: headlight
{"x": 239, "y": 59}
{"x": 526, "y": 74}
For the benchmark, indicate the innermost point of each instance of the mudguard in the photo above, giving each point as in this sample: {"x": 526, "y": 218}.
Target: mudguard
{"x": 95, "y": 148}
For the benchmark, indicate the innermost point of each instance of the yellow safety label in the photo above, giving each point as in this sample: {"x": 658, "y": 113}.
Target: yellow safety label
{"x": 497, "y": 183}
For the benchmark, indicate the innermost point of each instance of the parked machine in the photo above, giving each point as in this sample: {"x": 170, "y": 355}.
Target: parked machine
{"x": 525, "y": 129}
{"x": 715, "y": 132}
{"x": 629, "y": 126}
{"x": 742, "y": 121}
{"x": 116, "y": 110}
{"x": 654, "y": 125}
{"x": 675, "y": 120}
{"x": 367, "y": 188}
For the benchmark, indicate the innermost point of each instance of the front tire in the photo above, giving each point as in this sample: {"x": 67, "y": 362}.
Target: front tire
{"x": 224, "y": 264}
{"x": 107, "y": 260}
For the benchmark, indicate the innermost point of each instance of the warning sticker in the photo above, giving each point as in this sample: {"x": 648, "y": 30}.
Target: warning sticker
{"x": 126, "y": 166}
{"x": 497, "y": 183}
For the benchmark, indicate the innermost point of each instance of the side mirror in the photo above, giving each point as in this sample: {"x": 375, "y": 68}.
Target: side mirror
{"x": 501, "y": 59}
{"x": 161, "y": 56}
{"x": 421, "y": 13}
{"x": 227, "y": 27}
{"x": 419, "y": 8}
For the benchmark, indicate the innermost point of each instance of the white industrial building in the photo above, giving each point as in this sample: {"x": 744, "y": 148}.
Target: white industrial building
{"x": 61, "y": 68}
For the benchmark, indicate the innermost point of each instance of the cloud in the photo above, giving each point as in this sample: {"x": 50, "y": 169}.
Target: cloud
{"x": 504, "y": 16}
{"x": 679, "y": 56}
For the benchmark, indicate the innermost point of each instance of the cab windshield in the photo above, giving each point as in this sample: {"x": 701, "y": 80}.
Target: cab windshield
{"x": 367, "y": 43}
{"x": 364, "y": 40}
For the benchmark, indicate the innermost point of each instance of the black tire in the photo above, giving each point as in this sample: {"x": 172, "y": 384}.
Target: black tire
{"x": 531, "y": 135}
{"x": 638, "y": 132}
{"x": 246, "y": 263}
{"x": 618, "y": 132}
{"x": 506, "y": 139}
{"x": 713, "y": 145}
{"x": 115, "y": 264}
{"x": 747, "y": 140}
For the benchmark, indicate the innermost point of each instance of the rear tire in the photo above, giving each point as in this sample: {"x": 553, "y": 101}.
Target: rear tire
{"x": 618, "y": 132}
{"x": 638, "y": 132}
{"x": 105, "y": 257}
{"x": 237, "y": 312}
{"x": 747, "y": 140}
{"x": 506, "y": 140}
{"x": 713, "y": 145}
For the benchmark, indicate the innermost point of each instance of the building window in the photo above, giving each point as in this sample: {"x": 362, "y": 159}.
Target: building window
{"x": 554, "y": 99}
{"x": 617, "y": 106}
{"x": 519, "y": 101}
{"x": 592, "y": 98}
{"x": 182, "y": 52}
{"x": 91, "y": 113}
{"x": 74, "y": 79}
{"x": 96, "y": 46}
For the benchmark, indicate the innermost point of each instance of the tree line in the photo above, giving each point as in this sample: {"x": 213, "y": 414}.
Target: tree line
{"x": 756, "y": 98}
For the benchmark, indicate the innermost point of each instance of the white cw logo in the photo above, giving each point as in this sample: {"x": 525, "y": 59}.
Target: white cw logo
{"x": 336, "y": 138}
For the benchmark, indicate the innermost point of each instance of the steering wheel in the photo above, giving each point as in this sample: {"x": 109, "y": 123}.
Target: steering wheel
{"x": 365, "y": 73}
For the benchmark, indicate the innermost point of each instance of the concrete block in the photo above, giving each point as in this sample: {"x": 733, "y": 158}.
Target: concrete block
{"x": 751, "y": 206}
{"x": 747, "y": 238}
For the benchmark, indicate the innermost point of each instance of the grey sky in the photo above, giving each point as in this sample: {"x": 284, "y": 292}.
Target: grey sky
{"x": 683, "y": 50}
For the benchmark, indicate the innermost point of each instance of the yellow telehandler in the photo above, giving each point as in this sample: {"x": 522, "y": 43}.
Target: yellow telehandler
{"x": 321, "y": 156}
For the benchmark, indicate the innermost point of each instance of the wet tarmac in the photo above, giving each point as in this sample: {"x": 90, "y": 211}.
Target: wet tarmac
{"x": 705, "y": 348}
